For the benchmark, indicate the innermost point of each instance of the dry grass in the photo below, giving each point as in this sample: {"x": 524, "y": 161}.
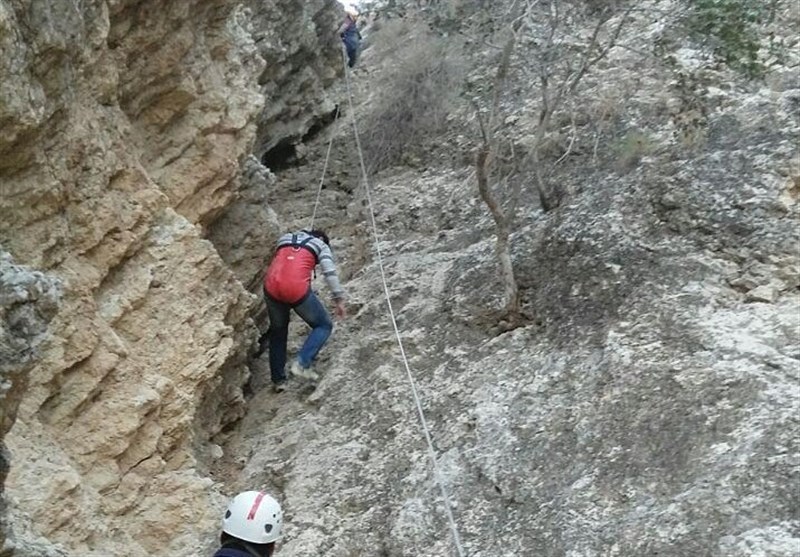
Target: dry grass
{"x": 420, "y": 85}
{"x": 630, "y": 149}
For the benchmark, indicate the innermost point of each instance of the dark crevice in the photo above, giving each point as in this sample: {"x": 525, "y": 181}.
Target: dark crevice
{"x": 284, "y": 155}
{"x": 280, "y": 157}
{"x": 320, "y": 124}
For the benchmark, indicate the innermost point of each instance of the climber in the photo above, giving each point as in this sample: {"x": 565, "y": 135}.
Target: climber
{"x": 251, "y": 526}
{"x": 287, "y": 286}
{"x": 348, "y": 32}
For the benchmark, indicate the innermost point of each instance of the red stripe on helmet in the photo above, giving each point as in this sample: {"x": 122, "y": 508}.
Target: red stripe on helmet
{"x": 254, "y": 509}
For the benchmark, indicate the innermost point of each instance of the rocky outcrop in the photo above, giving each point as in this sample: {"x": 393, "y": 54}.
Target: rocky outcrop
{"x": 301, "y": 63}
{"x": 652, "y": 410}
{"x": 28, "y": 302}
{"x": 248, "y": 228}
{"x": 124, "y": 129}
{"x": 649, "y": 406}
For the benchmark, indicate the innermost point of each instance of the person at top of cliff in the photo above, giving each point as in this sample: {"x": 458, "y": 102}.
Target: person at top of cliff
{"x": 348, "y": 32}
{"x": 287, "y": 286}
{"x": 251, "y": 525}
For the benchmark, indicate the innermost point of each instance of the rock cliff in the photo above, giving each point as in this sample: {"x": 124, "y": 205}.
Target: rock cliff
{"x": 125, "y": 129}
{"x": 151, "y": 151}
{"x": 648, "y": 407}
{"x": 28, "y": 301}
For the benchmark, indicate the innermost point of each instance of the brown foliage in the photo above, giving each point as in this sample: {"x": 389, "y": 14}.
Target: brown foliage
{"x": 419, "y": 92}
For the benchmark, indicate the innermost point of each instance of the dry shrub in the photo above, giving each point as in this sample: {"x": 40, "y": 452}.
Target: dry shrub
{"x": 630, "y": 149}
{"x": 420, "y": 85}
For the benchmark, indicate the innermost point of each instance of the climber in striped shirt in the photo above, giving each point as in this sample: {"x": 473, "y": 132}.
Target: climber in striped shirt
{"x": 287, "y": 286}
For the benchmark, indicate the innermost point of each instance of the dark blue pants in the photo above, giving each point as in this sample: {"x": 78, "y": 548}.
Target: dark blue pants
{"x": 310, "y": 310}
{"x": 351, "y": 45}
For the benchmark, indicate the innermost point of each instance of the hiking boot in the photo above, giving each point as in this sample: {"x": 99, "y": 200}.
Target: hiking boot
{"x": 304, "y": 372}
{"x": 279, "y": 387}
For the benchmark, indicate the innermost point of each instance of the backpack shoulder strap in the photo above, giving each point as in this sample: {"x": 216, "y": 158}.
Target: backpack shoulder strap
{"x": 304, "y": 243}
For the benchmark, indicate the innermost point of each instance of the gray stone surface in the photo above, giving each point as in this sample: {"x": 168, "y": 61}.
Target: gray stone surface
{"x": 648, "y": 407}
{"x": 28, "y": 301}
{"x": 651, "y": 405}
{"x": 247, "y": 230}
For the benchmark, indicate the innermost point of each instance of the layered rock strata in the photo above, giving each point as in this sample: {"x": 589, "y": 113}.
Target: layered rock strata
{"x": 124, "y": 126}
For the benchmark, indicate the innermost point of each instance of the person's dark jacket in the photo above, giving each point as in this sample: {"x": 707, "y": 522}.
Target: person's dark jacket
{"x": 231, "y": 552}
{"x": 233, "y": 549}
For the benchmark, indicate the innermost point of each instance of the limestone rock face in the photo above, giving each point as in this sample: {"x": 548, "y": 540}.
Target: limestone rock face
{"x": 650, "y": 405}
{"x": 125, "y": 127}
{"x": 28, "y": 302}
{"x": 245, "y": 233}
{"x": 301, "y": 63}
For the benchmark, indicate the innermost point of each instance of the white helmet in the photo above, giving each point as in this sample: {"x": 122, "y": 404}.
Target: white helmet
{"x": 253, "y": 516}
{"x": 351, "y": 11}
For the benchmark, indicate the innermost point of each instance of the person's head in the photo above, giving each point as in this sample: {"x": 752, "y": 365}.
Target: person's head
{"x": 255, "y": 519}
{"x": 351, "y": 12}
{"x": 319, "y": 233}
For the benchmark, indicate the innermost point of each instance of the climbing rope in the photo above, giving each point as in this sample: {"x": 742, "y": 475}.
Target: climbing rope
{"x": 324, "y": 169}
{"x": 423, "y": 422}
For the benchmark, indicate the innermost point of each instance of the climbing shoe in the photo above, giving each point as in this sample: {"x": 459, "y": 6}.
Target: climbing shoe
{"x": 279, "y": 387}
{"x": 304, "y": 372}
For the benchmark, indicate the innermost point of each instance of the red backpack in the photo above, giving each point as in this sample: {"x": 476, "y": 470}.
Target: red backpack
{"x": 288, "y": 277}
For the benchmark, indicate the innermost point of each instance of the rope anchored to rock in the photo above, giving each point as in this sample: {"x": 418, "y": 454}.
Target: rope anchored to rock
{"x": 324, "y": 169}
{"x": 423, "y": 422}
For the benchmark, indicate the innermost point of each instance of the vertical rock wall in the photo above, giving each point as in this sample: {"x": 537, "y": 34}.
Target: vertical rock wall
{"x": 123, "y": 127}
{"x": 28, "y": 301}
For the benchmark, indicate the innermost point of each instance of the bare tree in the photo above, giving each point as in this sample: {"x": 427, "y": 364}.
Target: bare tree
{"x": 483, "y": 166}
{"x": 556, "y": 61}
{"x": 560, "y": 61}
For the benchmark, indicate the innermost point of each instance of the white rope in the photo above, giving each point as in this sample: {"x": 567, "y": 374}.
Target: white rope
{"x": 431, "y": 451}
{"x": 324, "y": 168}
